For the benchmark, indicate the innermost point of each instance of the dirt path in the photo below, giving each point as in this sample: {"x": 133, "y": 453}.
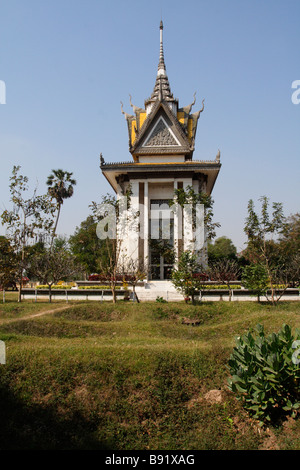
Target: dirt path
{"x": 34, "y": 315}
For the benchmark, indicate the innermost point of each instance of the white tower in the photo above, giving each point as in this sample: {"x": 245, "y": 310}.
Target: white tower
{"x": 161, "y": 142}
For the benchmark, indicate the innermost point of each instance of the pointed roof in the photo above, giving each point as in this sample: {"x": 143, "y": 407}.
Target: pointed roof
{"x": 161, "y": 133}
{"x": 162, "y": 138}
{"x": 162, "y": 90}
{"x": 162, "y": 128}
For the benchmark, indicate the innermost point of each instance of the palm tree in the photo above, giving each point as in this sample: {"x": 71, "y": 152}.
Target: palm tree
{"x": 60, "y": 186}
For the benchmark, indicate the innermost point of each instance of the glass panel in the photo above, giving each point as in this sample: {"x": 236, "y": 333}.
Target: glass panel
{"x": 155, "y": 272}
{"x": 155, "y": 257}
{"x": 168, "y": 272}
{"x": 161, "y": 225}
{"x": 169, "y": 257}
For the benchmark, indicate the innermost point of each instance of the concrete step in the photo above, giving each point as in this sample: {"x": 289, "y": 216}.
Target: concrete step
{"x": 153, "y": 289}
{"x": 158, "y": 286}
{"x": 152, "y": 295}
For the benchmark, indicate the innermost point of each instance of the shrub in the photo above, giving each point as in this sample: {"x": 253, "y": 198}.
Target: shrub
{"x": 56, "y": 286}
{"x": 266, "y": 373}
{"x": 160, "y": 300}
{"x": 69, "y": 286}
{"x": 255, "y": 277}
{"x": 106, "y": 287}
{"x": 221, "y": 287}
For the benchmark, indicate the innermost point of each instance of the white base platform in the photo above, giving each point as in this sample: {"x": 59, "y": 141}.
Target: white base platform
{"x": 153, "y": 289}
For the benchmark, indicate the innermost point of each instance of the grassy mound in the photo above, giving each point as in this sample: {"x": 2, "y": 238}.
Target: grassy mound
{"x": 131, "y": 376}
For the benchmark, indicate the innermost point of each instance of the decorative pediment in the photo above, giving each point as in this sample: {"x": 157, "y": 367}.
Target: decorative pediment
{"x": 161, "y": 136}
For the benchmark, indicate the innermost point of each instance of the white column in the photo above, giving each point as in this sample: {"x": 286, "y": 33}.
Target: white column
{"x": 187, "y": 222}
{"x": 133, "y": 222}
{"x": 122, "y": 227}
{"x": 146, "y": 223}
{"x": 176, "y": 226}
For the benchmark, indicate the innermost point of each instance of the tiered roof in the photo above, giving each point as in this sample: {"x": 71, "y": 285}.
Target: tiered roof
{"x": 162, "y": 89}
{"x": 162, "y": 130}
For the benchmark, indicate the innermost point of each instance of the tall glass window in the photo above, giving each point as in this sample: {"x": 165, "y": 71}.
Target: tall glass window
{"x": 161, "y": 242}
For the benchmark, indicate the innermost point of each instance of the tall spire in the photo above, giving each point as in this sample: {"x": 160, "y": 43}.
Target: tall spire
{"x": 161, "y": 64}
{"x": 162, "y": 90}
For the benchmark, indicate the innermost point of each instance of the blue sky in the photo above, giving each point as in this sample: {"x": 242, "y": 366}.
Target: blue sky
{"x": 67, "y": 64}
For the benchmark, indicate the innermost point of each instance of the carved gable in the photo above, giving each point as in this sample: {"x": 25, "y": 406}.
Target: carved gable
{"x": 161, "y": 136}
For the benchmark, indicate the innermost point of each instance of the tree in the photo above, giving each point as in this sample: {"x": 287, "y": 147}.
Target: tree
{"x": 255, "y": 277}
{"x": 289, "y": 248}
{"x": 31, "y": 252}
{"x": 109, "y": 266}
{"x": 190, "y": 196}
{"x": 286, "y": 252}
{"x": 188, "y": 276}
{"x": 261, "y": 231}
{"x": 290, "y": 236}
{"x": 134, "y": 272}
{"x": 54, "y": 265}
{"x": 8, "y": 265}
{"x": 224, "y": 271}
{"x": 60, "y": 187}
{"x": 189, "y": 200}
{"x": 222, "y": 248}
{"x": 111, "y": 211}
{"x": 86, "y": 245}
{"x": 30, "y": 217}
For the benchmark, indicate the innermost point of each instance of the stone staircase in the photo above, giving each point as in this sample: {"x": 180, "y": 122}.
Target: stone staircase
{"x": 153, "y": 289}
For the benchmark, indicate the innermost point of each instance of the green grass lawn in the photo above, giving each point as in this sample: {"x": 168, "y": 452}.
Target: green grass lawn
{"x": 130, "y": 376}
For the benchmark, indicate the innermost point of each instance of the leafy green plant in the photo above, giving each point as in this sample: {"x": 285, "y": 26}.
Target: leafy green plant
{"x": 255, "y": 277}
{"x": 160, "y": 314}
{"x": 30, "y": 217}
{"x": 265, "y": 374}
{"x": 189, "y": 277}
{"x": 160, "y": 300}
{"x": 98, "y": 287}
{"x": 61, "y": 287}
{"x": 221, "y": 287}
{"x": 190, "y": 196}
